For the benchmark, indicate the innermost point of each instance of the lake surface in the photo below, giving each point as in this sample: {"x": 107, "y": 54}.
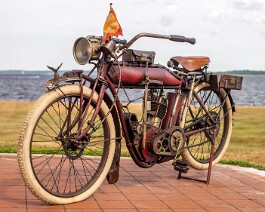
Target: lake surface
{"x": 26, "y": 86}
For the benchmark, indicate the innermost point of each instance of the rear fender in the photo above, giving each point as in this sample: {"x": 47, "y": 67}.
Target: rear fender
{"x": 227, "y": 82}
{"x": 231, "y": 100}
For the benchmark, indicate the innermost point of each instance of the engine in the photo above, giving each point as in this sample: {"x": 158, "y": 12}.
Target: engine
{"x": 156, "y": 107}
{"x": 158, "y": 141}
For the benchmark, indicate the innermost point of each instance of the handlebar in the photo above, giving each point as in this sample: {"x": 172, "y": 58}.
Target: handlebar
{"x": 119, "y": 41}
{"x": 176, "y": 38}
{"x": 179, "y": 38}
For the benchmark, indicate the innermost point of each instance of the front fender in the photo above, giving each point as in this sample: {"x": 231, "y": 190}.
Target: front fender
{"x": 67, "y": 77}
{"x": 113, "y": 174}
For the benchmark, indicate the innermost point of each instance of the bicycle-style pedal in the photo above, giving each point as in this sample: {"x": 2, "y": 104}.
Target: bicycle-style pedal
{"x": 180, "y": 166}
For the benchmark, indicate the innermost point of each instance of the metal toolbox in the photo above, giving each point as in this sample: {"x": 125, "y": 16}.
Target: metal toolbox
{"x": 137, "y": 56}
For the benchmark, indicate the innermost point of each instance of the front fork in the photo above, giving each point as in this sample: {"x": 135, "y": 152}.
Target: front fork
{"x": 91, "y": 122}
{"x": 84, "y": 107}
{"x": 100, "y": 81}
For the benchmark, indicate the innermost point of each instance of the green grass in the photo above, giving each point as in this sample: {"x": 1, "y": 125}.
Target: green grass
{"x": 247, "y": 145}
{"x": 248, "y": 138}
{"x": 8, "y": 149}
{"x": 242, "y": 164}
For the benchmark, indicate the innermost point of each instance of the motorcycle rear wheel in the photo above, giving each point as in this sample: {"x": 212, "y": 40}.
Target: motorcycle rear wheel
{"x": 56, "y": 168}
{"x": 198, "y": 146}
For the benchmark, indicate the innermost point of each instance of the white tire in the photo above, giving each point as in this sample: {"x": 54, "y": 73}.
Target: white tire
{"x": 33, "y": 173}
{"x": 198, "y": 156}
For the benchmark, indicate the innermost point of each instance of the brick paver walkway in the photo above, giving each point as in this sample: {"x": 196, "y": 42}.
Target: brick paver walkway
{"x": 154, "y": 189}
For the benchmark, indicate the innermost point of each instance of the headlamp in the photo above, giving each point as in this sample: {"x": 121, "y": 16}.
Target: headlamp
{"x": 86, "y": 49}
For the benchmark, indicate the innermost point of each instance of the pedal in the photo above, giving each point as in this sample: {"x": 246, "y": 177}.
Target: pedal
{"x": 180, "y": 166}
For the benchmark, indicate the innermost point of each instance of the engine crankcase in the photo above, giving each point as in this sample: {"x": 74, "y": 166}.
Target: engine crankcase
{"x": 169, "y": 142}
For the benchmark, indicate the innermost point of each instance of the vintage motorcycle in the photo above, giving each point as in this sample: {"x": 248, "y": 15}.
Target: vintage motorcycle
{"x": 71, "y": 139}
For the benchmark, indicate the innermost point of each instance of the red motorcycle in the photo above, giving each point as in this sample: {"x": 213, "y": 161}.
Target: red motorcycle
{"x": 71, "y": 139}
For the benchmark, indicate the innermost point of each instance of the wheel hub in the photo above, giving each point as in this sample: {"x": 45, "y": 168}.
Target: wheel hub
{"x": 216, "y": 118}
{"x": 74, "y": 148}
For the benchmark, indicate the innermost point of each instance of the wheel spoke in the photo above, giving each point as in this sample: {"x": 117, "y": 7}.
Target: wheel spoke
{"x": 71, "y": 173}
{"x": 199, "y": 145}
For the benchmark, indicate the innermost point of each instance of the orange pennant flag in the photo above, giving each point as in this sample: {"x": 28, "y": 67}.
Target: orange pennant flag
{"x": 112, "y": 26}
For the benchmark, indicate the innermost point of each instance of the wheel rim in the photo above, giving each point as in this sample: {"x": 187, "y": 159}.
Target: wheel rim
{"x": 199, "y": 145}
{"x": 68, "y": 167}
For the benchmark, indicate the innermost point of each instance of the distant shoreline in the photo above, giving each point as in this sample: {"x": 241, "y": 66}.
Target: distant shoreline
{"x": 26, "y": 86}
{"x": 47, "y": 72}
{"x": 132, "y": 104}
{"x": 241, "y": 72}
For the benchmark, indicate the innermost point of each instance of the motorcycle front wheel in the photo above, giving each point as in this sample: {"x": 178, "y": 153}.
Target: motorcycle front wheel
{"x": 56, "y": 167}
{"x": 198, "y": 146}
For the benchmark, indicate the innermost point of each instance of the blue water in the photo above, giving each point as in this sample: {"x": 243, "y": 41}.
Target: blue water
{"x": 252, "y": 93}
{"x": 26, "y": 86}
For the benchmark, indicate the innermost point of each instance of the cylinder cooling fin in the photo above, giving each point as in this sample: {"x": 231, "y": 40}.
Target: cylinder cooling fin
{"x": 157, "y": 107}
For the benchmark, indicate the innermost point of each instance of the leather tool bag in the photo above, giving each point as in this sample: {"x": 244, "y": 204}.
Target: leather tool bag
{"x": 226, "y": 81}
{"x": 137, "y": 56}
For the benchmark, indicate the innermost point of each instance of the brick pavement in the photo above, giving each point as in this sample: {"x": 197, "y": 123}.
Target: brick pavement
{"x": 153, "y": 189}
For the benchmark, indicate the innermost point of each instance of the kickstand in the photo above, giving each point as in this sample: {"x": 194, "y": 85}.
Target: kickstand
{"x": 209, "y": 167}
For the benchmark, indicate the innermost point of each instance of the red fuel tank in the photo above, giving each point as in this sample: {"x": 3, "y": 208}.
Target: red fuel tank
{"x": 135, "y": 75}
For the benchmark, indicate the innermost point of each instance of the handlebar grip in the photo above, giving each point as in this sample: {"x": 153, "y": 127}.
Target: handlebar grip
{"x": 179, "y": 38}
{"x": 119, "y": 41}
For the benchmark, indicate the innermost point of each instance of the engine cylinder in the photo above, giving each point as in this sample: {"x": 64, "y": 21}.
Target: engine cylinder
{"x": 157, "y": 107}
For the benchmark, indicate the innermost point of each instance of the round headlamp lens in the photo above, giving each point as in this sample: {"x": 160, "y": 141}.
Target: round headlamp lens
{"x": 82, "y": 51}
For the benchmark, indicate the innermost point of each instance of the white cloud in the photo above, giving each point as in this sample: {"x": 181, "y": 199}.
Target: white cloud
{"x": 260, "y": 19}
{"x": 172, "y": 8}
{"x": 169, "y": 15}
{"x": 232, "y": 15}
{"x": 220, "y": 15}
{"x": 166, "y": 20}
{"x": 37, "y": 33}
{"x": 262, "y": 33}
{"x": 248, "y": 5}
{"x": 215, "y": 31}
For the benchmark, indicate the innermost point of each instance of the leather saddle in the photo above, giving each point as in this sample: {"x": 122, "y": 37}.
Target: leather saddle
{"x": 190, "y": 63}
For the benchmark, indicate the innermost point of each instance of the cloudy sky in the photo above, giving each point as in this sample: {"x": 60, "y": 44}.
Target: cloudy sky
{"x": 34, "y": 34}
